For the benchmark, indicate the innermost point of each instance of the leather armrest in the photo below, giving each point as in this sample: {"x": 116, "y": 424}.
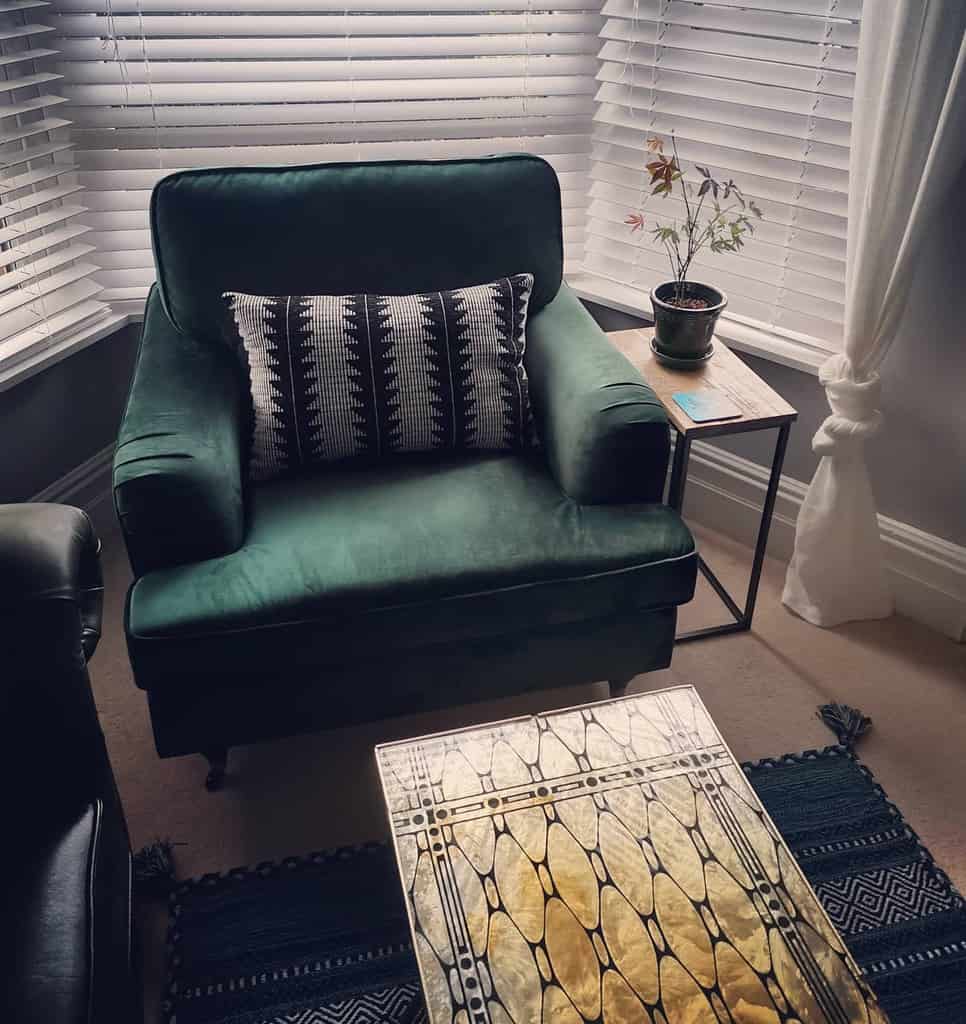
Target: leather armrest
{"x": 178, "y": 464}
{"x": 605, "y": 433}
{"x": 50, "y": 553}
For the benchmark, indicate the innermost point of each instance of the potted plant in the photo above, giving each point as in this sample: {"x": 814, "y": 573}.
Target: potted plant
{"x": 716, "y": 216}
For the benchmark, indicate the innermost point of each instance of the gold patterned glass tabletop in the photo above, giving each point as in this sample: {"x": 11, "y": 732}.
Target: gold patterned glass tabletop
{"x": 606, "y": 863}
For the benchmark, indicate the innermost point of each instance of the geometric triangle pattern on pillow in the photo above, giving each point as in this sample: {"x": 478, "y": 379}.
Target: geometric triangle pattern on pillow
{"x": 342, "y": 376}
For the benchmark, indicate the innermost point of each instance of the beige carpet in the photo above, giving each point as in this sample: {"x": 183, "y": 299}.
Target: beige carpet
{"x": 762, "y": 689}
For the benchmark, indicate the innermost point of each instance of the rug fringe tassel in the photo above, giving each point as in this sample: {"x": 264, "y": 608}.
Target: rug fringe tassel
{"x": 846, "y": 722}
{"x": 154, "y": 867}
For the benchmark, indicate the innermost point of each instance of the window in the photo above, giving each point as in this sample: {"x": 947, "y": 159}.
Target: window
{"x": 761, "y": 91}
{"x": 46, "y": 289}
{"x": 157, "y": 85}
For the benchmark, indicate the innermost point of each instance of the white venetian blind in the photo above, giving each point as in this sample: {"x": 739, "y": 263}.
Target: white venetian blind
{"x": 46, "y": 289}
{"x": 757, "y": 90}
{"x": 158, "y": 85}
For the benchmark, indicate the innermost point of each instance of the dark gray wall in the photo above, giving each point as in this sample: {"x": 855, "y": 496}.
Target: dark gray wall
{"x": 67, "y": 413}
{"x": 918, "y": 461}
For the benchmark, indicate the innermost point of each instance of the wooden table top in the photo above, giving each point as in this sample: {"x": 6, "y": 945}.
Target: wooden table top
{"x": 610, "y": 863}
{"x": 760, "y": 404}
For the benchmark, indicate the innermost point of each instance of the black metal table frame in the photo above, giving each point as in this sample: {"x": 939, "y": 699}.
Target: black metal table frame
{"x": 679, "y": 471}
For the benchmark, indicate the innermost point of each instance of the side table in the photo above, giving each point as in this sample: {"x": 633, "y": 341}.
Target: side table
{"x": 762, "y": 408}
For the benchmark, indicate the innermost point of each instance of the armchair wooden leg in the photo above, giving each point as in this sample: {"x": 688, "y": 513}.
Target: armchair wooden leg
{"x": 618, "y": 686}
{"x": 217, "y": 764}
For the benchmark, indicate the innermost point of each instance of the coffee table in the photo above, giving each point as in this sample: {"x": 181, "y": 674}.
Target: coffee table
{"x": 606, "y": 863}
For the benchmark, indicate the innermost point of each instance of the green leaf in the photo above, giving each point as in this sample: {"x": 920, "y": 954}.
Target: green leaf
{"x": 705, "y": 187}
{"x": 703, "y": 171}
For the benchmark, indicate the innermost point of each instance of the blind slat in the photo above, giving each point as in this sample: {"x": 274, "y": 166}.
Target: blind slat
{"x": 33, "y": 153}
{"x": 30, "y": 225}
{"x": 15, "y": 6}
{"x": 24, "y": 56}
{"x": 13, "y": 207}
{"x": 329, "y": 48}
{"x": 13, "y": 182}
{"x": 124, "y": 74}
{"x": 339, "y": 25}
{"x": 24, "y": 276}
{"x": 397, "y": 92}
{"x": 275, "y": 8}
{"x": 545, "y": 136}
{"x": 145, "y": 180}
{"x": 180, "y": 158}
{"x": 21, "y": 31}
{"x": 422, "y": 112}
{"x": 27, "y": 81}
{"x": 44, "y": 126}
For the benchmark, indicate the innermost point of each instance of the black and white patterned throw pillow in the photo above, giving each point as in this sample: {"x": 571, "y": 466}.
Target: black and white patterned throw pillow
{"x": 337, "y": 376}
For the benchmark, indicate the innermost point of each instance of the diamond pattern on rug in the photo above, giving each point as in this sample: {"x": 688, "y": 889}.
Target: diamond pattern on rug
{"x": 887, "y": 896}
{"x": 400, "y": 1004}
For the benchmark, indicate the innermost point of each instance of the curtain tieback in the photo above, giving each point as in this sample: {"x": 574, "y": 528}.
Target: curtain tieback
{"x": 855, "y": 407}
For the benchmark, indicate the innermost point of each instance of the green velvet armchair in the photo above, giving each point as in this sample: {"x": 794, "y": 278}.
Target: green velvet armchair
{"x": 356, "y": 592}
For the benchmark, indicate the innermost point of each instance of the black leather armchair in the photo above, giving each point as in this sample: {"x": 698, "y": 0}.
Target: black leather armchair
{"x": 65, "y": 940}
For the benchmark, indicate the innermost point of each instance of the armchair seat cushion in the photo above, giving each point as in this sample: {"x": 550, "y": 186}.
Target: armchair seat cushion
{"x": 357, "y": 564}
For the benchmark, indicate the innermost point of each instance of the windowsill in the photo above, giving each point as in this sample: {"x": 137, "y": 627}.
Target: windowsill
{"x": 24, "y": 369}
{"x": 796, "y": 351}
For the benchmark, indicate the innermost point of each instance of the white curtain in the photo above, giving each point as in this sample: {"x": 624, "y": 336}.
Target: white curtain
{"x": 908, "y": 143}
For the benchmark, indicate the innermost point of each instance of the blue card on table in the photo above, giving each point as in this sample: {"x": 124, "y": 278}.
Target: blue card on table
{"x": 706, "y": 405}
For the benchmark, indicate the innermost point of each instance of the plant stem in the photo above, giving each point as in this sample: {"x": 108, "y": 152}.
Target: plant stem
{"x": 689, "y": 224}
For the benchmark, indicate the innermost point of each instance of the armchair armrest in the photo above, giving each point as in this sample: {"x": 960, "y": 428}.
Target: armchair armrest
{"x": 49, "y": 557}
{"x": 605, "y": 433}
{"x": 178, "y": 464}
{"x": 51, "y": 598}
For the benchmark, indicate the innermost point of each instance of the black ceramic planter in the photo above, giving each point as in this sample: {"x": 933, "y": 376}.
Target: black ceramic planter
{"x": 685, "y": 334}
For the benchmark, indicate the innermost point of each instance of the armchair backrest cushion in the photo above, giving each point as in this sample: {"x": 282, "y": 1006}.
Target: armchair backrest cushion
{"x": 394, "y": 227}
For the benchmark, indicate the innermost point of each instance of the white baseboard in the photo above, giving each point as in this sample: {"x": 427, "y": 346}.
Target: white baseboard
{"x": 88, "y": 486}
{"x": 928, "y": 574}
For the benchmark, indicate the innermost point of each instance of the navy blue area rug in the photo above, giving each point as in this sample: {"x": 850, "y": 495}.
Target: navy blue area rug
{"x": 324, "y": 939}
{"x": 900, "y": 916}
